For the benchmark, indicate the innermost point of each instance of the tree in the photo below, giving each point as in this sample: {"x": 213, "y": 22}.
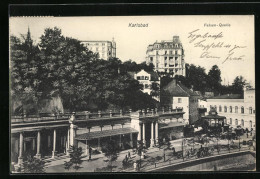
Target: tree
{"x": 24, "y": 57}
{"x": 214, "y": 79}
{"x": 238, "y": 85}
{"x": 32, "y": 165}
{"x": 140, "y": 149}
{"x": 75, "y": 158}
{"x": 111, "y": 151}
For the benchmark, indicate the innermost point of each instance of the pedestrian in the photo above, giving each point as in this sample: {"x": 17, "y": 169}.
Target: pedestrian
{"x": 129, "y": 155}
{"x": 135, "y": 166}
{"x": 247, "y": 135}
{"x": 126, "y": 158}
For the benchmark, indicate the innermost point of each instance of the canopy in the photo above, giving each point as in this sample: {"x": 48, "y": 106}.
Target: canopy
{"x": 106, "y": 133}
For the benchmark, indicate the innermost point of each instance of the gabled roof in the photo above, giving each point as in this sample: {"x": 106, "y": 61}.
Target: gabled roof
{"x": 178, "y": 89}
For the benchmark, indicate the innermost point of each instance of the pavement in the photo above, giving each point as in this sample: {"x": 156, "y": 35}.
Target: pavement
{"x": 99, "y": 161}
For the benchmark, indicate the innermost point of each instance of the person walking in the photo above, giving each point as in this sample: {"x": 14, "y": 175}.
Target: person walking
{"x": 129, "y": 155}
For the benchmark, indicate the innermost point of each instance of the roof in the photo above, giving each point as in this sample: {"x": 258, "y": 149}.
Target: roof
{"x": 106, "y": 133}
{"x": 213, "y": 117}
{"x": 178, "y": 89}
{"x": 228, "y": 96}
{"x": 172, "y": 124}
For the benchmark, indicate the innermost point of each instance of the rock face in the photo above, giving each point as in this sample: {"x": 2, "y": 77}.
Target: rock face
{"x": 52, "y": 105}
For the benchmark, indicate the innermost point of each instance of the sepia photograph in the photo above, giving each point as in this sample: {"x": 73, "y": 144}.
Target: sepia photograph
{"x": 157, "y": 93}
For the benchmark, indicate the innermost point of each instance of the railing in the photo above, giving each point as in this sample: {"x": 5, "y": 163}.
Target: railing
{"x": 171, "y": 158}
{"x": 85, "y": 115}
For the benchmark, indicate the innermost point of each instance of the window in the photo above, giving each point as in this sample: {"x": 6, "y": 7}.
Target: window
{"x": 242, "y": 110}
{"x": 215, "y": 107}
{"x": 146, "y": 86}
{"x": 96, "y": 48}
{"x": 142, "y": 78}
{"x": 225, "y": 121}
{"x": 236, "y": 122}
{"x": 236, "y": 109}
{"x": 96, "y": 44}
{"x": 176, "y": 58}
{"x": 225, "y": 109}
{"x": 242, "y": 123}
{"x": 230, "y": 121}
{"x": 250, "y": 110}
{"x": 171, "y": 52}
{"x": 157, "y": 52}
{"x": 165, "y": 70}
{"x": 103, "y": 44}
{"x": 179, "y": 100}
{"x": 250, "y": 124}
{"x": 146, "y": 77}
{"x": 165, "y": 52}
{"x": 138, "y": 78}
{"x": 165, "y": 64}
{"x": 230, "y": 109}
{"x": 151, "y": 59}
{"x": 220, "y": 109}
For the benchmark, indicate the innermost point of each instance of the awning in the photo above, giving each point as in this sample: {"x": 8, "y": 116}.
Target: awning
{"x": 106, "y": 133}
{"x": 172, "y": 124}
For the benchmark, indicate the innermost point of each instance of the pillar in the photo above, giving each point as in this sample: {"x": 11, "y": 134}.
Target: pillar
{"x": 54, "y": 143}
{"x": 144, "y": 134}
{"x": 20, "y": 158}
{"x": 99, "y": 148}
{"x": 33, "y": 144}
{"x": 73, "y": 131}
{"x": 68, "y": 142}
{"x": 38, "y": 154}
{"x": 131, "y": 140}
{"x": 156, "y": 132}
{"x": 87, "y": 148}
{"x": 139, "y": 133}
{"x": 152, "y": 136}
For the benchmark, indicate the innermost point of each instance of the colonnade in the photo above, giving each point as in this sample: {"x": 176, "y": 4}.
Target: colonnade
{"x": 154, "y": 133}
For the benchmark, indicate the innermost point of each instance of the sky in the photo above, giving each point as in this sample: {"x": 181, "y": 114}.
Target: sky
{"x": 132, "y": 42}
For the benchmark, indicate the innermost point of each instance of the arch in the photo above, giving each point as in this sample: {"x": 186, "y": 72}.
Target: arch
{"x": 230, "y": 109}
{"x": 220, "y": 108}
{"x": 242, "y": 109}
{"x": 236, "y": 122}
{"x": 230, "y": 121}
{"x": 225, "y": 108}
{"x": 236, "y": 109}
{"x": 250, "y": 110}
{"x": 250, "y": 124}
{"x": 242, "y": 122}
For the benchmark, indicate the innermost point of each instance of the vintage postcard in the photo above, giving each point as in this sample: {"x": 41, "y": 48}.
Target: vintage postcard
{"x": 132, "y": 93}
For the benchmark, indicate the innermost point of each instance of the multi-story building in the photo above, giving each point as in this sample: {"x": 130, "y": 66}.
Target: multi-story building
{"x": 177, "y": 96}
{"x": 105, "y": 49}
{"x": 238, "y": 110}
{"x": 150, "y": 82}
{"x": 167, "y": 56}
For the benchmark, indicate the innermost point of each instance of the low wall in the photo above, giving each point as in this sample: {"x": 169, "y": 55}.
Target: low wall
{"x": 223, "y": 162}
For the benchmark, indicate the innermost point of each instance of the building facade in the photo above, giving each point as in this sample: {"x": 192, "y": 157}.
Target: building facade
{"x": 177, "y": 96}
{"x": 150, "y": 82}
{"x": 238, "y": 111}
{"x": 105, "y": 49}
{"x": 167, "y": 56}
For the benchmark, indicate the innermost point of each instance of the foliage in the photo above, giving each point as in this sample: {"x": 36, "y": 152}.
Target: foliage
{"x": 32, "y": 165}
{"x": 111, "y": 151}
{"x": 238, "y": 84}
{"x": 75, "y": 158}
{"x": 62, "y": 66}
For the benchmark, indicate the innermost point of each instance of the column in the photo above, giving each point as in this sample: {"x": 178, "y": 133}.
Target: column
{"x": 152, "y": 136}
{"x": 144, "y": 134}
{"x": 68, "y": 142}
{"x": 99, "y": 148}
{"x": 156, "y": 132}
{"x": 139, "y": 133}
{"x": 131, "y": 140}
{"x": 87, "y": 148}
{"x": 20, "y": 158}
{"x": 33, "y": 144}
{"x": 120, "y": 141}
{"x": 38, "y": 154}
{"x": 54, "y": 143}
